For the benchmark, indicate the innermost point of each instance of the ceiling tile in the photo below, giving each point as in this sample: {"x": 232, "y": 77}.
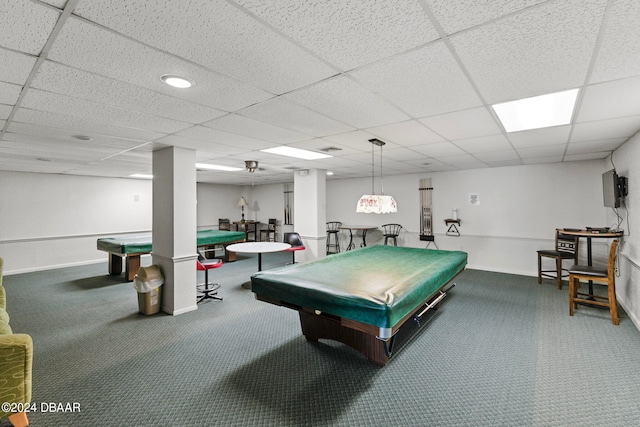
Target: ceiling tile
{"x": 549, "y": 49}
{"x": 457, "y": 15}
{"x": 610, "y": 100}
{"x": 407, "y": 133}
{"x": 620, "y": 47}
{"x": 540, "y": 137}
{"x": 484, "y": 144}
{"x": 9, "y": 93}
{"x": 201, "y": 145}
{"x": 123, "y": 59}
{"x": 497, "y": 156}
{"x": 215, "y": 34}
{"x": 423, "y": 82}
{"x": 464, "y": 160}
{"x": 624, "y": 127}
{"x": 542, "y": 151}
{"x": 605, "y": 145}
{"x": 540, "y": 160}
{"x": 588, "y": 156}
{"x": 72, "y": 82}
{"x": 344, "y": 100}
{"x": 15, "y": 67}
{"x": 25, "y": 26}
{"x": 80, "y": 125}
{"x": 215, "y": 136}
{"x": 283, "y": 113}
{"x": 374, "y": 29}
{"x": 67, "y": 134}
{"x": 439, "y": 149}
{"x": 55, "y": 103}
{"x": 236, "y": 123}
{"x": 5, "y": 110}
{"x": 463, "y": 124}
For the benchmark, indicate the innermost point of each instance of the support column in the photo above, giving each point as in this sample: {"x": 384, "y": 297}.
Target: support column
{"x": 174, "y": 227}
{"x": 310, "y": 213}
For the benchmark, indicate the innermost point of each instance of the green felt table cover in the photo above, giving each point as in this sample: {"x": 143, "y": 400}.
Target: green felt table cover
{"x": 141, "y": 243}
{"x": 376, "y": 285}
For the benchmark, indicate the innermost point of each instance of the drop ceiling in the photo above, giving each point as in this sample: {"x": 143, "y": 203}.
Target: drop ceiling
{"x": 81, "y": 94}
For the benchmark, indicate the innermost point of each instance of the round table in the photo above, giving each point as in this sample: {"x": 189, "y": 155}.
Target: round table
{"x": 356, "y": 228}
{"x": 257, "y": 248}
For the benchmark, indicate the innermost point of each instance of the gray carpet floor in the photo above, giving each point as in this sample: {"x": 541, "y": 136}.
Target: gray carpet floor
{"x": 501, "y": 350}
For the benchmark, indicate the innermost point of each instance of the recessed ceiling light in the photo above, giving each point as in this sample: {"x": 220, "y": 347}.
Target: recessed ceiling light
{"x": 176, "y": 81}
{"x": 537, "y": 112}
{"x": 283, "y": 150}
{"x": 141, "y": 176}
{"x": 206, "y": 166}
{"x": 329, "y": 173}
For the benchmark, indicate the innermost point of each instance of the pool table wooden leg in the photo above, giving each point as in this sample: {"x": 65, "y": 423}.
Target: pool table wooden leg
{"x": 316, "y": 326}
{"x": 115, "y": 264}
{"x": 132, "y": 266}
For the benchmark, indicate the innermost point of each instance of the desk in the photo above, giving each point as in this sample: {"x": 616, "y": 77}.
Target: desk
{"x": 258, "y": 248}
{"x": 590, "y": 235}
{"x": 362, "y": 298}
{"x": 248, "y": 227}
{"x": 133, "y": 246}
{"x": 356, "y": 228}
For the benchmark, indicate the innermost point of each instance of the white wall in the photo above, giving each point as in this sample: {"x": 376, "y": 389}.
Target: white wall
{"x": 519, "y": 209}
{"x": 49, "y": 220}
{"x": 625, "y": 160}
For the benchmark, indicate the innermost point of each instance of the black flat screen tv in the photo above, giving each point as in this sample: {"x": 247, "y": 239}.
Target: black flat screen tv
{"x": 614, "y": 189}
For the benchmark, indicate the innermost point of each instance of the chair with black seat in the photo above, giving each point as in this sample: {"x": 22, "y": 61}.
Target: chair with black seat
{"x": 391, "y": 231}
{"x": 295, "y": 241}
{"x": 269, "y": 234}
{"x": 566, "y": 248}
{"x": 207, "y": 290}
{"x": 224, "y": 224}
{"x": 333, "y": 228}
{"x": 594, "y": 274}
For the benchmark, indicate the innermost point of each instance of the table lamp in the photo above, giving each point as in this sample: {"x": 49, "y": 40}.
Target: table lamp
{"x": 242, "y": 203}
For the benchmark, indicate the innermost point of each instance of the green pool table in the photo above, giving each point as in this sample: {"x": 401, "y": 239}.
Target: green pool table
{"x": 362, "y": 297}
{"x": 133, "y": 246}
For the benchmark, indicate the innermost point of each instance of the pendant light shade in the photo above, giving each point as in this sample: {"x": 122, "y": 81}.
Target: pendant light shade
{"x": 376, "y": 203}
{"x": 373, "y": 203}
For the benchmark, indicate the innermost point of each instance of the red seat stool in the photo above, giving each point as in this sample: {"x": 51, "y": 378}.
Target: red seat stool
{"x": 207, "y": 290}
{"x": 295, "y": 241}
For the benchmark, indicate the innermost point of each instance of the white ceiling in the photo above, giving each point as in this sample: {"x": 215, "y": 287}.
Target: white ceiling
{"x": 420, "y": 75}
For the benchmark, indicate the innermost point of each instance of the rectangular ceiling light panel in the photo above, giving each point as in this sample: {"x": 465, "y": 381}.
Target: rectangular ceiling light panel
{"x": 537, "y": 112}
{"x": 298, "y": 153}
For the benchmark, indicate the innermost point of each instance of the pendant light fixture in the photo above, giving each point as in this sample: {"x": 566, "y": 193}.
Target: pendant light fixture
{"x": 376, "y": 203}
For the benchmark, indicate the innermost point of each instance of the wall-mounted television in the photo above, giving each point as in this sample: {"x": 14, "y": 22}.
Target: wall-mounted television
{"x": 614, "y": 189}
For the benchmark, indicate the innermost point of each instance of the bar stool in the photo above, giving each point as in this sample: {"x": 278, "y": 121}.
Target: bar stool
{"x": 207, "y": 290}
{"x": 391, "y": 231}
{"x": 333, "y": 228}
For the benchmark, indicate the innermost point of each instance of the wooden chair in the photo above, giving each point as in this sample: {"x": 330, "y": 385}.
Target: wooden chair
{"x": 224, "y": 224}
{"x": 566, "y": 247}
{"x": 587, "y": 272}
{"x": 269, "y": 234}
{"x": 391, "y": 231}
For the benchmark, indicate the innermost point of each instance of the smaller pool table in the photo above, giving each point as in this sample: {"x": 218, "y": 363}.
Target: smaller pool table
{"x": 133, "y": 246}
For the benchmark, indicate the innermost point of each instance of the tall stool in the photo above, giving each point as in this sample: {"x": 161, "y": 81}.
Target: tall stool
{"x": 333, "y": 228}
{"x": 207, "y": 290}
{"x": 391, "y": 231}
